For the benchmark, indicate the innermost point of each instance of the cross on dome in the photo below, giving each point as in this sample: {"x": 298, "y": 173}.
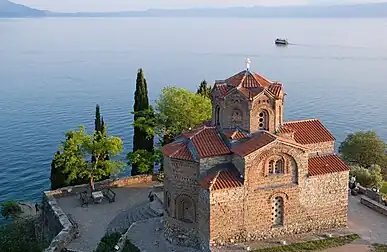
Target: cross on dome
{"x": 248, "y": 62}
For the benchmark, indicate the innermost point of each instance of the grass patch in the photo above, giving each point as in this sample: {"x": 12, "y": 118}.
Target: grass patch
{"x": 313, "y": 245}
{"x": 379, "y": 248}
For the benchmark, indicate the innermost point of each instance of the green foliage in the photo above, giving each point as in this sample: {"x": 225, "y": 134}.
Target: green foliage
{"x": 371, "y": 177}
{"x": 379, "y": 247}
{"x": 129, "y": 247}
{"x": 363, "y": 149}
{"x": 204, "y": 89}
{"x": 97, "y": 145}
{"x": 144, "y": 160}
{"x": 108, "y": 242}
{"x": 142, "y": 140}
{"x": 19, "y": 236}
{"x": 313, "y": 245}
{"x": 10, "y": 209}
{"x": 179, "y": 109}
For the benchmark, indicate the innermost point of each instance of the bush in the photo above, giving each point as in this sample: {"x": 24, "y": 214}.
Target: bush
{"x": 108, "y": 242}
{"x": 10, "y": 208}
{"x": 368, "y": 177}
{"x": 129, "y": 247}
{"x": 19, "y": 237}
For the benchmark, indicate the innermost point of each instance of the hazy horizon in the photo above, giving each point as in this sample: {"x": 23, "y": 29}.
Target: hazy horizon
{"x": 123, "y": 5}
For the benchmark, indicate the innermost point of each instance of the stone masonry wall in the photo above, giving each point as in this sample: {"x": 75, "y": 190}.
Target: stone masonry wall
{"x": 207, "y": 163}
{"x": 204, "y": 219}
{"x": 181, "y": 185}
{"x": 312, "y": 204}
{"x": 57, "y": 227}
{"x": 320, "y": 148}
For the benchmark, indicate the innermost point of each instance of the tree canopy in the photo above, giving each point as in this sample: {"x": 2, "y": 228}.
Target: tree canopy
{"x": 204, "y": 89}
{"x": 371, "y": 177}
{"x": 141, "y": 139}
{"x": 180, "y": 109}
{"x": 96, "y": 145}
{"x": 363, "y": 149}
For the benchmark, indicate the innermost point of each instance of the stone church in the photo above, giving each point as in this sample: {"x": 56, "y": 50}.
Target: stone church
{"x": 248, "y": 175}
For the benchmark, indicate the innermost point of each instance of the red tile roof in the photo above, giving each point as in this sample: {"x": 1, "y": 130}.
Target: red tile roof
{"x": 208, "y": 143}
{"x": 178, "y": 150}
{"x": 275, "y": 89}
{"x": 222, "y": 179}
{"x": 234, "y": 134}
{"x": 223, "y": 89}
{"x": 258, "y": 141}
{"x": 331, "y": 163}
{"x": 308, "y": 131}
{"x": 248, "y": 79}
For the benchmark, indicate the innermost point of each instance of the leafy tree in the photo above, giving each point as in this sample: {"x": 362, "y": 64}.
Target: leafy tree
{"x": 204, "y": 89}
{"x": 144, "y": 160}
{"x": 141, "y": 140}
{"x": 363, "y": 149}
{"x": 97, "y": 145}
{"x": 371, "y": 177}
{"x": 179, "y": 109}
{"x": 10, "y": 209}
{"x": 19, "y": 236}
{"x": 70, "y": 155}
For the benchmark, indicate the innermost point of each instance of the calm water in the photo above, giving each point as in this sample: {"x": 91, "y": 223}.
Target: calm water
{"x": 54, "y": 71}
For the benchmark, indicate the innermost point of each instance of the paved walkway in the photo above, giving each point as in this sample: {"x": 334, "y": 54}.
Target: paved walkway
{"x": 369, "y": 224}
{"x": 93, "y": 220}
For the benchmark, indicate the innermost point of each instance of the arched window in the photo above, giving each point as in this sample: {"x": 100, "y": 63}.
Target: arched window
{"x": 277, "y": 214}
{"x": 217, "y": 115}
{"x": 277, "y": 166}
{"x": 263, "y": 120}
{"x": 185, "y": 209}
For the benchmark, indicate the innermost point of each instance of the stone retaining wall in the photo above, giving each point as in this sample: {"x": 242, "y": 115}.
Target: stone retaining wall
{"x": 374, "y": 205}
{"x": 56, "y": 225}
{"x": 57, "y": 228}
{"x": 109, "y": 183}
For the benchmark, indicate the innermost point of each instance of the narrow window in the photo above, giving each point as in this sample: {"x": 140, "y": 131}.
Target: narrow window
{"x": 185, "y": 209}
{"x": 271, "y": 167}
{"x": 217, "y": 114}
{"x": 279, "y": 166}
{"x": 263, "y": 120}
{"x": 277, "y": 211}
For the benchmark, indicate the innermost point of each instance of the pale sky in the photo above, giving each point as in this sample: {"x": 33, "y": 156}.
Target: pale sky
{"x": 122, "y": 5}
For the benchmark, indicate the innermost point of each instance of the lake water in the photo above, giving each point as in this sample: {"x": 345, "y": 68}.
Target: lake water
{"x": 54, "y": 71}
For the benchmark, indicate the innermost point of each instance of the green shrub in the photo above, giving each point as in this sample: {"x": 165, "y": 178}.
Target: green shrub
{"x": 129, "y": 247}
{"x": 108, "y": 242}
{"x": 368, "y": 177}
{"x": 19, "y": 236}
{"x": 10, "y": 208}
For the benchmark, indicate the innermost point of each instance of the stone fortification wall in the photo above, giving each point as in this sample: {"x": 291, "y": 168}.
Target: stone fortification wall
{"x": 378, "y": 207}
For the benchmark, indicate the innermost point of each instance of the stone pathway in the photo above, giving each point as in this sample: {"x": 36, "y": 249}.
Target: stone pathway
{"x": 123, "y": 220}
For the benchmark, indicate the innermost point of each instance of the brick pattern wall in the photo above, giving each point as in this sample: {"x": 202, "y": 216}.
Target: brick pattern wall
{"x": 208, "y": 163}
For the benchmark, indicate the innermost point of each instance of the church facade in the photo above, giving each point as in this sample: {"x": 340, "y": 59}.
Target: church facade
{"x": 247, "y": 174}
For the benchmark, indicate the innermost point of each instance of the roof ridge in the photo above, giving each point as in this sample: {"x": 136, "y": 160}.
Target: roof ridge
{"x": 325, "y": 155}
{"x": 301, "y": 120}
{"x": 213, "y": 181}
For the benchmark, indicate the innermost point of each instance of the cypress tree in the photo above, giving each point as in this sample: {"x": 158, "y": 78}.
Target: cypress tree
{"x": 141, "y": 104}
{"x": 204, "y": 89}
{"x": 100, "y": 131}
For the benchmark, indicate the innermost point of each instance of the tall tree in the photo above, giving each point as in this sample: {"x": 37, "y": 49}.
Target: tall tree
{"x": 141, "y": 140}
{"x": 89, "y": 145}
{"x": 99, "y": 129}
{"x": 364, "y": 149}
{"x": 204, "y": 89}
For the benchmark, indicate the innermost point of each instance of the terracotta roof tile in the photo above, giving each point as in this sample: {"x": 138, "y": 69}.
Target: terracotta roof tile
{"x": 177, "y": 150}
{"x": 222, "y": 179}
{"x": 262, "y": 80}
{"x": 234, "y": 134}
{"x": 208, "y": 143}
{"x": 275, "y": 89}
{"x": 309, "y": 131}
{"x": 258, "y": 141}
{"x": 331, "y": 163}
{"x": 223, "y": 89}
